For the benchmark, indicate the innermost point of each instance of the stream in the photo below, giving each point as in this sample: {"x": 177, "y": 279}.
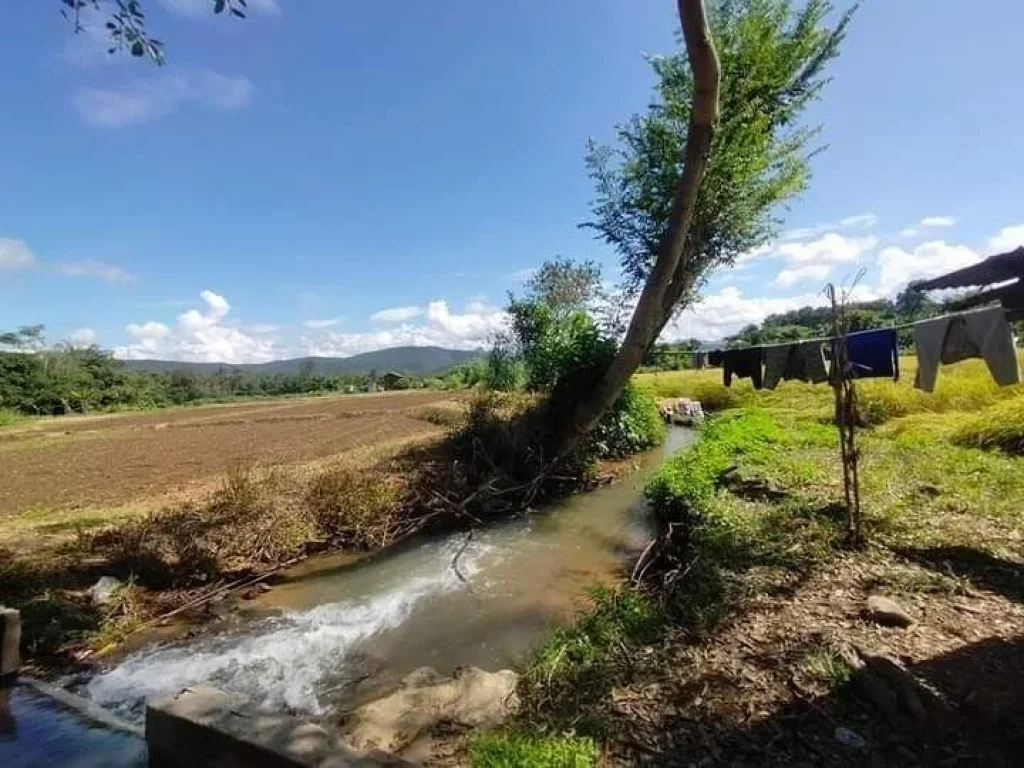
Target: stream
{"x": 332, "y": 634}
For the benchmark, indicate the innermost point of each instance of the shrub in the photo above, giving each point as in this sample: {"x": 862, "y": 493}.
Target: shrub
{"x": 504, "y": 749}
{"x": 250, "y": 519}
{"x": 505, "y": 371}
{"x": 354, "y": 508}
{"x": 631, "y": 425}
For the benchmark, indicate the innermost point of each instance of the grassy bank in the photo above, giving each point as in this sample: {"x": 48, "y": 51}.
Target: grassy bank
{"x": 752, "y": 645}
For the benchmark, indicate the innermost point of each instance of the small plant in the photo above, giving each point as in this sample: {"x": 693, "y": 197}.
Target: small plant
{"x": 503, "y": 749}
{"x": 827, "y": 666}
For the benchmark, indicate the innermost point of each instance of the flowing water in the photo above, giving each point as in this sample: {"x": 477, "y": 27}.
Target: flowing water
{"x": 332, "y": 635}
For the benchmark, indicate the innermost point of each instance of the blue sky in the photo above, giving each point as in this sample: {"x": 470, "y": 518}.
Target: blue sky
{"x": 328, "y": 178}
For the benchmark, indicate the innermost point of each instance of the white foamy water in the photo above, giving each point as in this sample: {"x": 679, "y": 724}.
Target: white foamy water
{"x": 284, "y": 661}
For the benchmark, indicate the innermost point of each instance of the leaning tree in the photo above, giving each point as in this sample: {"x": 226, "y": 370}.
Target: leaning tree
{"x": 698, "y": 178}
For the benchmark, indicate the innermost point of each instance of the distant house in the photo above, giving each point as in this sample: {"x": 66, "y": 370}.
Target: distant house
{"x": 392, "y": 380}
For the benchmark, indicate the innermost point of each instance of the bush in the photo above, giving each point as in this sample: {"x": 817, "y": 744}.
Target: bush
{"x": 354, "y": 508}
{"x": 504, "y": 749}
{"x": 251, "y": 519}
{"x": 631, "y": 425}
{"x": 505, "y": 371}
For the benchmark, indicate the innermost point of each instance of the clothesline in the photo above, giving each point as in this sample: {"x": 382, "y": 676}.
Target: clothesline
{"x": 824, "y": 339}
{"x": 977, "y": 333}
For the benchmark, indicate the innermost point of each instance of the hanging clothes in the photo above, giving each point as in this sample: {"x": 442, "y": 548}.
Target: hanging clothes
{"x": 873, "y": 354}
{"x": 744, "y": 364}
{"x": 699, "y": 360}
{"x": 800, "y": 361}
{"x": 980, "y": 333}
{"x": 716, "y": 358}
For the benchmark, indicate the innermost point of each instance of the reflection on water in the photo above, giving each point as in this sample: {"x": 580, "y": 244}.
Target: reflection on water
{"x": 346, "y": 632}
{"x": 36, "y": 732}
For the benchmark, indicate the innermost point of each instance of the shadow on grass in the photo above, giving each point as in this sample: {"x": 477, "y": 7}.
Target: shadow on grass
{"x": 961, "y": 708}
{"x": 986, "y": 571}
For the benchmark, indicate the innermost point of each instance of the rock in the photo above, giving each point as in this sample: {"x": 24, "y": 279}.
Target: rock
{"x": 255, "y": 591}
{"x": 104, "y": 590}
{"x": 889, "y": 613}
{"x": 849, "y": 738}
{"x": 471, "y": 698}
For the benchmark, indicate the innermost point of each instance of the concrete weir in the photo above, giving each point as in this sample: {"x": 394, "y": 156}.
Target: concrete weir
{"x": 202, "y": 726}
{"x": 10, "y": 642}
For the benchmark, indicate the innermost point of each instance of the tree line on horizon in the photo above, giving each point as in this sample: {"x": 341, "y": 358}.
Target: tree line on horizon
{"x": 38, "y": 379}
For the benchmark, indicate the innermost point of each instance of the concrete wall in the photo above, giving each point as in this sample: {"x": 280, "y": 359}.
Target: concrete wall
{"x": 202, "y": 727}
{"x": 10, "y": 641}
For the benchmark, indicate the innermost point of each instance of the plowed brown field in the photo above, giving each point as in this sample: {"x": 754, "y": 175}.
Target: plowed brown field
{"x": 114, "y": 460}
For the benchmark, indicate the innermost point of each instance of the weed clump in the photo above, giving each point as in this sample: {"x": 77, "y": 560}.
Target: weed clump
{"x": 356, "y": 509}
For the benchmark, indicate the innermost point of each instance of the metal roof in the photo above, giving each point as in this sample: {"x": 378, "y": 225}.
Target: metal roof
{"x": 994, "y": 269}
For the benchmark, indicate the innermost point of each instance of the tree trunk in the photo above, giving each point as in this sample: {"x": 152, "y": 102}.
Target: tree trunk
{"x": 668, "y": 278}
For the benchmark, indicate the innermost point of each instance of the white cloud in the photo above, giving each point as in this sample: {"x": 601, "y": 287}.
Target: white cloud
{"x": 788, "y": 277}
{"x": 147, "y": 331}
{"x": 831, "y": 248}
{"x": 860, "y": 221}
{"x": 148, "y": 99}
{"x": 206, "y": 335}
{"x": 724, "y": 313}
{"x": 472, "y": 328}
{"x": 937, "y": 221}
{"x": 909, "y": 232}
{"x": 396, "y": 314}
{"x": 83, "y": 337}
{"x": 1007, "y": 239}
{"x": 198, "y": 336}
{"x": 14, "y": 254}
{"x": 322, "y": 323}
{"x": 898, "y": 266}
{"x": 198, "y": 8}
{"x": 90, "y": 268}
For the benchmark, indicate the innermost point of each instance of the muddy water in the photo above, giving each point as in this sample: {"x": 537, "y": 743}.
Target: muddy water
{"x": 339, "y": 633}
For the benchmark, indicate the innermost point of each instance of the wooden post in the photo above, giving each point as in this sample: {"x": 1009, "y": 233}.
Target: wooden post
{"x": 846, "y": 418}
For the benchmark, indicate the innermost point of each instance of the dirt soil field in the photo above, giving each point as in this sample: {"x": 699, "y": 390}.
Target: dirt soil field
{"x": 112, "y": 460}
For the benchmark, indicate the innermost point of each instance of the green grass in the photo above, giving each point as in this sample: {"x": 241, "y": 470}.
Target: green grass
{"x": 583, "y": 661}
{"x": 501, "y": 749}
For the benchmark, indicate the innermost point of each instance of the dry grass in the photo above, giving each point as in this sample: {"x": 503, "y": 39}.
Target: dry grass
{"x": 355, "y": 508}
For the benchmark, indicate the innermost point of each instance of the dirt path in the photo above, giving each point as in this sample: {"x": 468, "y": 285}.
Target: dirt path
{"x": 121, "y": 459}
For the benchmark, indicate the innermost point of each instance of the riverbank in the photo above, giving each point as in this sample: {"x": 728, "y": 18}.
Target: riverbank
{"x": 189, "y": 558}
{"x": 765, "y": 645}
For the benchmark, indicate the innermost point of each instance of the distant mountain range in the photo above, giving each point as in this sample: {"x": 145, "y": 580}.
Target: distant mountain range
{"x": 414, "y": 360}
